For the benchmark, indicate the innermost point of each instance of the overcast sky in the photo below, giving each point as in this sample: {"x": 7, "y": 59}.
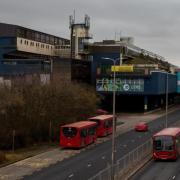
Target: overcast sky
{"x": 154, "y": 24}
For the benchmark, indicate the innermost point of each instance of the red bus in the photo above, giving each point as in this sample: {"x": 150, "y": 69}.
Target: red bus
{"x": 166, "y": 144}
{"x": 104, "y": 124}
{"x": 78, "y": 134}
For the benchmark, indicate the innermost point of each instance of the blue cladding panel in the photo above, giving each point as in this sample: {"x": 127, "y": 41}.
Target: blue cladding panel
{"x": 7, "y": 44}
{"x": 156, "y": 83}
{"x": 178, "y": 82}
{"x": 7, "y": 41}
{"x": 24, "y": 67}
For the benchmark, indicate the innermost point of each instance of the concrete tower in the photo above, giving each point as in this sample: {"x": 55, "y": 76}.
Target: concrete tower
{"x": 79, "y": 37}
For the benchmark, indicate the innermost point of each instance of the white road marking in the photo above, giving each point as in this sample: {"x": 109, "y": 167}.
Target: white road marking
{"x": 89, "y": 165}
{"x": 174, "y": 177}
{"x": 103, "y": 157}
{"x": 71, "y": 175}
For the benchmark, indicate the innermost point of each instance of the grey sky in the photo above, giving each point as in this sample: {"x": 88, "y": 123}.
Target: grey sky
{"x": 155, "y": 24}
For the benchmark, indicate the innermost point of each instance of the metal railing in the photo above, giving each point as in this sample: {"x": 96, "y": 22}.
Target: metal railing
{"x": 126, "y": 164}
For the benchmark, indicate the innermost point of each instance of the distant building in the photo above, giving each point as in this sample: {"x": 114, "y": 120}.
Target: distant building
{"x": 27, "y": 53}
{"x": 20, "y": 43}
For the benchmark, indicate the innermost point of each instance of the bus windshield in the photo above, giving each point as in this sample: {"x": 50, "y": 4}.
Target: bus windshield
{"x": 163, "y": 143}
{"x": 69, "y": 132}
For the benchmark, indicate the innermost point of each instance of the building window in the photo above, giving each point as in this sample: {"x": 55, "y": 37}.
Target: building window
{"x": 47, "y": 39}
{"x": 52, "y": 40}
{"x": 32, "y": 44}
{"x": 33, "y": 35}
{"x": 60, "y": 42}
{"x": 37, "y": 36}
{"x": 55, "y": 41}
{"x": 29, "y": 34}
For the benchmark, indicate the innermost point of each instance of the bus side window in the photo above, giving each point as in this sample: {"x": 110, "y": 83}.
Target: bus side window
{"x": 178, "y": 141}
{"x": 83, "y": 132}
{"x": 91, "y": 130}
{"x": 110, "y": 123}
{"x": 106, "y": 124}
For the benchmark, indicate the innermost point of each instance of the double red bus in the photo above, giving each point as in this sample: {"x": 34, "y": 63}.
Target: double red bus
{"x": 166, "y": 144}
{"x": 78, "y": 134}
{"x": 104, "y": 124}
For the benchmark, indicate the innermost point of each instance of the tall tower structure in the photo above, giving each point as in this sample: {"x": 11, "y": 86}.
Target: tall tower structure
{"x": 79, "y": 37}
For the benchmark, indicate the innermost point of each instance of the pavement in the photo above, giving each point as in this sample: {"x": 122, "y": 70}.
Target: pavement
{"x": 28, "y": 166}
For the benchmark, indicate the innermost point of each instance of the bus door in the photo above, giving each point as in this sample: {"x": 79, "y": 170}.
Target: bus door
{"x": 83, "y": 135}
{"x": 178, "y": 144}
{"x": 92, "y": 133}
{"x": 108, "y": 126}
{"x": 99, "y": 127}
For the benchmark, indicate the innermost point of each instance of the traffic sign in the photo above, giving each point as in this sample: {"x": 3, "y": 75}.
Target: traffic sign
{"x": 122, "y": 68}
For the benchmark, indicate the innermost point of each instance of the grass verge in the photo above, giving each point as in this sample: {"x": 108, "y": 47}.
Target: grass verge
{"x": 8, "y": 157}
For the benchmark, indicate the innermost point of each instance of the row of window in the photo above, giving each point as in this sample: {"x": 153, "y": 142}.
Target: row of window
{"x": 62, "y": 47}
{"x": 30, "y": 43}
{"x": 42, "y": 37}
{"x": 72, "y": 132}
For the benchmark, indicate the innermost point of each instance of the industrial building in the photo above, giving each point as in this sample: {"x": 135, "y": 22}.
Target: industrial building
{"x": 26, "y": 52}
{"x": 142, "y": 89}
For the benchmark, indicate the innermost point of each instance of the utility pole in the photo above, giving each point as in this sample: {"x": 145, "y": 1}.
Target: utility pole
{"x": 166, "y": 123}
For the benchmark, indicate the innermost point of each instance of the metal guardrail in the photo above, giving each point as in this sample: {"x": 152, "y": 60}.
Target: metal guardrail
{"x": 125, "y": 164}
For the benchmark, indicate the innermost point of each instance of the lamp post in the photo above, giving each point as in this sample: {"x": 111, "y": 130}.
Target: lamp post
{"x": 114, "y": 106}
{"x": 166, "y": 124}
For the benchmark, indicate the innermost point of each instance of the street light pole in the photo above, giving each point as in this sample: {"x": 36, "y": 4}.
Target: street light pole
{"x": 114, "y": 116}
{"x": 113, "y": 132}
{"x": 166, "y": 100}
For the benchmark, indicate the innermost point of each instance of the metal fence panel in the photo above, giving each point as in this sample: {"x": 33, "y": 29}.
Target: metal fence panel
{"x": 126, "y": 163}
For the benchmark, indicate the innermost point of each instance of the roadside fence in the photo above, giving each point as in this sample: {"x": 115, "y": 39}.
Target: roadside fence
{"x": 126, "y": 164}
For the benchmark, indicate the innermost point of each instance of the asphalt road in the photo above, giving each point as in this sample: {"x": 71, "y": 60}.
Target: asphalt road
{"x": 159, "y": 171}
{"x": 97, "y": 157}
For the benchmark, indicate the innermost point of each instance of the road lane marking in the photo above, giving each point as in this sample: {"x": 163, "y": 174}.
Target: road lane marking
{"x": 174, "y": 177}
{"x": 89, "y": 165}
{"x": 71, "y": 175}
